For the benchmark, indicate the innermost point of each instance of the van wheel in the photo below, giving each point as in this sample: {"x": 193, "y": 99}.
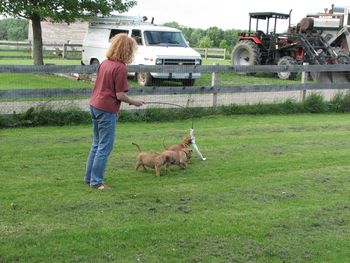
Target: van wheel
{"x": 187, "y": 82}
{"x": 144, "y": 79}
{"x": 95, "y": 62}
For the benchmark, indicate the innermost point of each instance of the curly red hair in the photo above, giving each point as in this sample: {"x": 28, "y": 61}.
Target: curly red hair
{"x": 122, "y": 48}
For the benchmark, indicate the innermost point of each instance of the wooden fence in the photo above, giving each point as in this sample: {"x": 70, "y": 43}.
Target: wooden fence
{"x": 215, "y": 90}
{"x": 212, "y": 53}
{"x": 23, "y": 50}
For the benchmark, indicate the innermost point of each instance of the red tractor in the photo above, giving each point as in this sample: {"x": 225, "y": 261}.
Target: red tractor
{"x": 294, "y": 47}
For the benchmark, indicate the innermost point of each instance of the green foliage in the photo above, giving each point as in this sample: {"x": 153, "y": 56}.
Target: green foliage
{"x": 341, "y": 102}
{"x": 216, "y": 35}
{"x": 195, "y": 36}
{"x": 223, "y": 44}
{"x": 315, "y": 103}
{"x": 287, "y": 107}
{"x": 62, "y": 11}
{"x": 205, "y": 42}
{"x": 42, "y": 116}
{"x": 208, "y": 38}
{"x": 13, "y": 29}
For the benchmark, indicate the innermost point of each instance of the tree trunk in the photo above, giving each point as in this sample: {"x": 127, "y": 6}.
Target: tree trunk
{"x": 37, "y": 40}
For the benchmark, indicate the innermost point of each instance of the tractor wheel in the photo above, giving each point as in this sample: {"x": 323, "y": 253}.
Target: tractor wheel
{"x": 246, "y": 53}
{"x": 285, "y": 61}
{"x": 144, "y": 79}
{"x": 342, "y": 58}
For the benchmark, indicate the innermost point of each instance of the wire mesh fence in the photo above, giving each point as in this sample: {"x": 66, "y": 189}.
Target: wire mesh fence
{"x": 61, "y": 87}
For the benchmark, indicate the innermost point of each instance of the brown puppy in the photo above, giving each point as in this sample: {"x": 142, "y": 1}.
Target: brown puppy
{"x": 172, "y": 157}
{"x": 186, "y": 142}
{"x": 145, "y": 158}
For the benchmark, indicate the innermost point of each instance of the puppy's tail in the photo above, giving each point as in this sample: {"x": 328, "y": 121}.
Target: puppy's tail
{"x": 138, "y": 147}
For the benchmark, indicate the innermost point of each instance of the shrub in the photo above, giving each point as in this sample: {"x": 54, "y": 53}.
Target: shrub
{"x": 315, "y": 103}
{"x": 340, "y": 102}
{"x": 45, "y": 116}
{"x": 290, "y": 106}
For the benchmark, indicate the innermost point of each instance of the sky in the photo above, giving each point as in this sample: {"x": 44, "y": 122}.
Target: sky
{"x": 226, "y": 14}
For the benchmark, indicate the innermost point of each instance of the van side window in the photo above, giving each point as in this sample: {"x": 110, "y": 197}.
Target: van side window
{"x": 136, "y": 34}
{"x": 116, "y": 32}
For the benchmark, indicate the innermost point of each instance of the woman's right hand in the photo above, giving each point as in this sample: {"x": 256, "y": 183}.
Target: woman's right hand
{"x": 137, "y": 103}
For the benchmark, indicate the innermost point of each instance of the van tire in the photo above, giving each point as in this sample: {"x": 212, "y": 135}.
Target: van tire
{"x": 95, "y": 62}
{"x": 188, "y": 82}
{"x": 144, "y": 79}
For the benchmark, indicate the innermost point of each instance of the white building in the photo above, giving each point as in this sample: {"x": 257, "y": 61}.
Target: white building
{"x": 60, "y": 33}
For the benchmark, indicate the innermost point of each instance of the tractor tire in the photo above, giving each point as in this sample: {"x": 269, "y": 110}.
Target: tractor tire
{"x": 343, "y": 58}
{"x": 246, "y": 53}
{"x": 285, "y": 61}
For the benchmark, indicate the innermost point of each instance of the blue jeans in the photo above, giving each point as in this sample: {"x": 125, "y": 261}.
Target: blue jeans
{"x": 104, "y": 124}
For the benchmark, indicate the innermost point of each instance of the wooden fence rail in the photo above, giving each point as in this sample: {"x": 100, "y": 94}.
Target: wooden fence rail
{"x": 64, "y": 51}
{"x": 344, "y": 68}
{"x": 215, "y": 53}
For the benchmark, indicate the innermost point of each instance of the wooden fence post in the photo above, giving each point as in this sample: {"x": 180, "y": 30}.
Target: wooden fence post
{"x": 214, "y": 85}
{"x": 31, "y": 49}
{"x": 64, "y": 51}
{"x": 304, "y": 76}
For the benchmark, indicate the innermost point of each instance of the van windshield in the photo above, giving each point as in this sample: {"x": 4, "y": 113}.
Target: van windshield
{"x": 165, "y": 38}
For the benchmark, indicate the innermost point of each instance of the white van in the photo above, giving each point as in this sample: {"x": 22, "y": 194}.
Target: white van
{"x": 157, "y": 45}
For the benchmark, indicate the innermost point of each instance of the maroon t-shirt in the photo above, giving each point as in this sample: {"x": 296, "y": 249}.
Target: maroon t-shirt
{"x": 112, "y": 77}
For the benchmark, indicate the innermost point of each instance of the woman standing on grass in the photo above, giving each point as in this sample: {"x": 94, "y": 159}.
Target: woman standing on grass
{"x": 108, "y": 93}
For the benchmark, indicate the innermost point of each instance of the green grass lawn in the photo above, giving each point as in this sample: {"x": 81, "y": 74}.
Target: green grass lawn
{"x": 273, "y": 189}
{"x": 8, "y": 61}
{"x": 39, "y": 81}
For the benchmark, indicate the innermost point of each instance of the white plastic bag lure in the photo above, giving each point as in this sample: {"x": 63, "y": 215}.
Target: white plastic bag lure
{"x": 195, "y": 147}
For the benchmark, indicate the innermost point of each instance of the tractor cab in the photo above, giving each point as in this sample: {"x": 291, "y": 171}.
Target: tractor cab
{"x": 256, "y": 34}
{"x": 266, "y": 16}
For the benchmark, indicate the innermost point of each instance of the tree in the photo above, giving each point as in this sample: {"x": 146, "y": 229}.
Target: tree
{"x": 216, "y": 35}
{"x": 13, "y": 29}
{"x": 58, "y": 11}
{"x": 196, "y": 35}
{"x": 223, "y": 44}
{"x": 205, "y": 42}
{"x": 173, "y": 24}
